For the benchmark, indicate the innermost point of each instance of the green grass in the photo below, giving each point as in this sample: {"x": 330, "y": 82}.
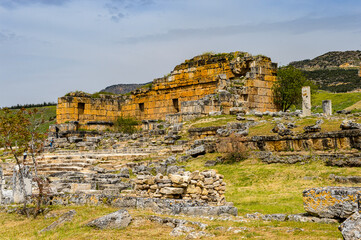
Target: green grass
{"x": 340, "y": 101}
{"x": 271, "y": 188}
{"x": 49, "y": 115}
{"x": 14, "y": 226}
{"x": 212, "y": 121}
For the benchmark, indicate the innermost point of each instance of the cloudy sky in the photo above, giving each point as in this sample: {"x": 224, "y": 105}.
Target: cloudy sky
{"x": 51, "y": 47}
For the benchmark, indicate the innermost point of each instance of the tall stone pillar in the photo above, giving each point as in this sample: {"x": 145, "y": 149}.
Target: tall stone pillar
{"x": 327, "y": 107}
{"x": 18, "y": 194}
{"x": 306, "y": 101}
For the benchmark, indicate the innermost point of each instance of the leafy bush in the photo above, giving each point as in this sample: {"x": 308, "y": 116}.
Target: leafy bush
{"x": 126, "y": 125}
{"x": 237, "y": 155}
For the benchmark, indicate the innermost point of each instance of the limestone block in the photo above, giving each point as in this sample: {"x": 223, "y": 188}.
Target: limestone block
{"x": 192, "y": 189}
{"x": 171, "y": 190}
{"x": 79, "y": 187}
{"x": 351, "y": 228}
{"x": 332, "y": 202}
{"x": 119, "y": 219}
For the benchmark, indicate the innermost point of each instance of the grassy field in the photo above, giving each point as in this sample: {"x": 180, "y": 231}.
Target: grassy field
{"x": 14, "y": 226}
{"x": 340, "y": 101}
{"x": 271, "y": 188}
{"x": 48, "y": 114}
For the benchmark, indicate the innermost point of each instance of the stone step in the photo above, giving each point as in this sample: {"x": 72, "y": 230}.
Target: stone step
{"x": 60, "y": 169}
{"x": 60, "y": 165}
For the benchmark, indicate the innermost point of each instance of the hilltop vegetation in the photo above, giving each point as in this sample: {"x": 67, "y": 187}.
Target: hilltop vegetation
{"x": 333, "y": 71}
{"x": 335, "y": 80}
{"x": 330, "y": 60}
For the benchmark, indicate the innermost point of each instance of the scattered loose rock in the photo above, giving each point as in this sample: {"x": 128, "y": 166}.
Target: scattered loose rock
{"x": 314, "y": 128}
{"x": 118, "y": 219}
{"x": 66, "y": 217}
{"x": 349, "y": 124}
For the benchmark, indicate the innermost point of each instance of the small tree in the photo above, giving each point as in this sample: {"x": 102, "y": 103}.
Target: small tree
{"x": 18, "y": 133}
{"x": 287, "y": 89}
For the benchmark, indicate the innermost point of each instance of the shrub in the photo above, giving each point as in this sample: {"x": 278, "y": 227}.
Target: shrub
{"x": 126, "y": 125}
{"x": 237, "y": 155}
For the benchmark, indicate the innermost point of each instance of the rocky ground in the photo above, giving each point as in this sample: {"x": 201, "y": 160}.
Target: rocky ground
{"x": 182, "y": 163}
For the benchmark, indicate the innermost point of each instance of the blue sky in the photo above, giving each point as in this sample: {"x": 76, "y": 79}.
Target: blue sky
{"x": 51, "y": 47}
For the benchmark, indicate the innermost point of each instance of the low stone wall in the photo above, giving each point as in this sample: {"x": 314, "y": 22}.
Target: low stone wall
{"x": 341, "y": 140}
{"x": 203, "y": 132}
{"x": 162, "y": 206}
{"x": 205, "y": 186}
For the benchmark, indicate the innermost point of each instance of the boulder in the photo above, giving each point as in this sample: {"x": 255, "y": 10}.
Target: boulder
{"x": 351, "y": 228}
{"x": 332, "y": 202}
{"x": 118, "y": 219}
{"x": 66, "y": 217}
{"x": 313, "y": 128}
{"x": 194, "y": 152}
{"x": 282, "y": 130}
{"x": 349, "y": 124}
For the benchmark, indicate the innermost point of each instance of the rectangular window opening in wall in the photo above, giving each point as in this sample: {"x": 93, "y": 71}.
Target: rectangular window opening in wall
{"x": 141, "y": 107}
{"x": 176, "y": 104}
{"x": 81, "y": 107}
{"x": 245, "y": 97}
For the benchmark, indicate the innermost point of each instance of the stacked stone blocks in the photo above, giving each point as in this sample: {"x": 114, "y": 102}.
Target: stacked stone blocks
{"x": 190, "y": 81}
{"x": 206, "y": 186}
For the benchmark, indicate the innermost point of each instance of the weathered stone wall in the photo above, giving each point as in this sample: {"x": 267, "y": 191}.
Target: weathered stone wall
{"x": 190, "y": 81}
{"x": 341, "y": 140}
{"x": 162, "y": 206}
{"x": 206, "y": 186}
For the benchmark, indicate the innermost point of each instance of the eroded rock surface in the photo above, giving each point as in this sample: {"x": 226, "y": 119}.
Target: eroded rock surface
{"x": 118, "y": 219}
{"x": 332, "y": 202}
{"x": 351, "y": 228}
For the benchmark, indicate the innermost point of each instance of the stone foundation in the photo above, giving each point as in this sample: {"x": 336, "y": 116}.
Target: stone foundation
{"x": 162, "y": 206}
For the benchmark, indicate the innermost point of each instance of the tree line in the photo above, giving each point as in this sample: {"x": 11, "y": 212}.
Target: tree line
{"x": 44, "y": 104}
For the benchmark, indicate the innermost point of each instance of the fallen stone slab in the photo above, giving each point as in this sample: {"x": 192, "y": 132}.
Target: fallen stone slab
{"x": 345, "y": 179}
{"x": 332, "y": 202}
{"x": 349, "y": 124}
{"x": 118, "y": 219}
{"x": 346, "y": 162}
{"x": 66, "y": 217}
{"x": 351, "y": 228}
{"x": 313, "y": 128}
{"x": 200, "y": 150}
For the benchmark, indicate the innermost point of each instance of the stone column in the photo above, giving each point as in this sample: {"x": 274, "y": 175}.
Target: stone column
{"x": 306, "y": 101}
{"x": 327, "y": 107}
{"x": 18, "y": 194}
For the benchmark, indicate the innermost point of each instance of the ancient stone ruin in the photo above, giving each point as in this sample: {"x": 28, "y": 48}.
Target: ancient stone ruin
{"x": 204, "y": 84}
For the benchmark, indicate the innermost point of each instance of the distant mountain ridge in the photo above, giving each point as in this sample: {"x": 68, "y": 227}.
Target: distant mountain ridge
{"x": 333, "y": 71}
{"x": 122, "y": 88}
{"x": 334, "y": 59}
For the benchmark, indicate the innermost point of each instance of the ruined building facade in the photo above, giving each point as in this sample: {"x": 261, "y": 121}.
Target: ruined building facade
{"x": 203, "y": 84}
